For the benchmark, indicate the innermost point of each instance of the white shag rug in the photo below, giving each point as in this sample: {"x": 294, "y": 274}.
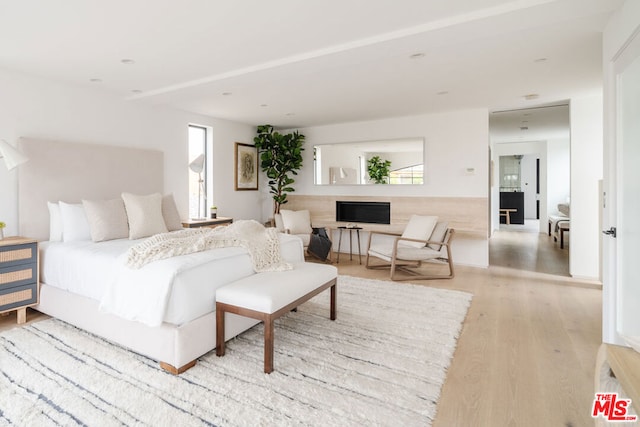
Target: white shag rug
{"x": 382, "y": 362}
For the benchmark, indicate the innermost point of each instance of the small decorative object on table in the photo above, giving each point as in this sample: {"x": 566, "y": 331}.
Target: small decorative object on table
{"x": 2, "y": 226}
{"x": 214, "y": 212}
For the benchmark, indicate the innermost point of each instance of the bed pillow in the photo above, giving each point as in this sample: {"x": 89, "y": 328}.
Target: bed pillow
{"x": 170, "y": 213}
{"x": 297, "y": 222}
{"x": 75, "y": 226}
{"x": 55, "y": 222}
{"x": 419, "y": 227}
{"x": 144, "y": 214}
{"x": 107, "y": 219}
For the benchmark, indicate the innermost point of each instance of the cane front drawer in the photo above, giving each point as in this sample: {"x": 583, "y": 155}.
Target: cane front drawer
{"x": 18, "y": 265}
{"x": 19, "y": 296}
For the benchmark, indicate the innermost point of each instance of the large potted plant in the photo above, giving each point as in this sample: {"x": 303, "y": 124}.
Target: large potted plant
{"x": 378, "y": 170}
{"x": 280, "y": 157}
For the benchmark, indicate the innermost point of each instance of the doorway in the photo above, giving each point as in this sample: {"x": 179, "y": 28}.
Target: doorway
{"x": 530, "y": 151}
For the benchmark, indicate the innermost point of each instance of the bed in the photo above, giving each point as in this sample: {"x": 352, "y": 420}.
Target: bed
{"x": 74, "y": 274}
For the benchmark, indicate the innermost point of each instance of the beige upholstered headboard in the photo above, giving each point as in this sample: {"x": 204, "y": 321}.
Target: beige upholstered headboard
{"x": 71, "y": 172}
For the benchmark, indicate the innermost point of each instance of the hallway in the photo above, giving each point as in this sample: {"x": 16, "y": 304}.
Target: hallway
{"x": 530, "y": 251}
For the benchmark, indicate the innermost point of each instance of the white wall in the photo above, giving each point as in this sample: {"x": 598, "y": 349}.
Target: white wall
{"x": 38, "y": 108}
{"x": 454, "y": 141}
{"x": 558, "y": 173}
{"x": 586, "y": 172}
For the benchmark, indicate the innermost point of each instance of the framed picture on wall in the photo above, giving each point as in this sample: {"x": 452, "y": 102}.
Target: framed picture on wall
{"x": 246, "y": 168}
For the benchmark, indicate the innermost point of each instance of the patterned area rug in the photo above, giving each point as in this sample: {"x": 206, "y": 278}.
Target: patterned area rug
{"x": 382, "y": 362}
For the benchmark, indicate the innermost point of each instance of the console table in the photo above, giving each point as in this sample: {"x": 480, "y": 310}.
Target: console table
{"x": 210, "y": 223}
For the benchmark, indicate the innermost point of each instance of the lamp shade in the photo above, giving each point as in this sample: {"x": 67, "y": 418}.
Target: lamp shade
{"x": 197, "y": 165}
{"x": 12, "y": 157}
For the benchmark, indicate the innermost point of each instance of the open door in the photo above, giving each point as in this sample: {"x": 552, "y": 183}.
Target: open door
{"x": 621, "y": 202}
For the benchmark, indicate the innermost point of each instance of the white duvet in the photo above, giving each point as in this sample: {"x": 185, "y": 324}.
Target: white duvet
{"x": 174, "y": 290}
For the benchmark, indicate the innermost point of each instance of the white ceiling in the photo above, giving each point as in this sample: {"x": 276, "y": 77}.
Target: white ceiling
{"x": 297, "y": 63}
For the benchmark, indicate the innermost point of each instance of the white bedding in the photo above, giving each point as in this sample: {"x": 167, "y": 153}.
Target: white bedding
{"x": 90, "y": 269}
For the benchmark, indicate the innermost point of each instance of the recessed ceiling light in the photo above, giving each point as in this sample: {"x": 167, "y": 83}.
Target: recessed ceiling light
{"x": 227, "y": 93}
{"x": 95, "y": 80}
{"x": 540, "y": 60}
{"x": 127, "y": 61}
{"x": 417, "y": 55}
{"x": 444, "y": 92}
{"x": 531, "y": 96}
{"x": 263, "y": 105}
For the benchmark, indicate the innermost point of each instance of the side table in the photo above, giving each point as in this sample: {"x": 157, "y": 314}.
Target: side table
{"x": 19, "y": 287}
{"x": 351, "y": 230}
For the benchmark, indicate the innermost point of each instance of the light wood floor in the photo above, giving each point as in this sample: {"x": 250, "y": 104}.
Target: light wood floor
{"x": 527, "y": 350}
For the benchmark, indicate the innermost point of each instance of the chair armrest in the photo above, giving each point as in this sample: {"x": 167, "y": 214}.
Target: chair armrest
{"x": 398, "y": 239}
{"x": 388, "y": 233}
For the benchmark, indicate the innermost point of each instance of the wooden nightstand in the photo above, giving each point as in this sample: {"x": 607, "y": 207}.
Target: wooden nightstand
{"x": 19, "y": 286}
{"x": 210, "y": 223}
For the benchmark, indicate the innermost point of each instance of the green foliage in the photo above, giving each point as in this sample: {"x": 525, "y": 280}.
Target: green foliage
{"x": 280, "y": 156}
{"x": 378, "y": 170}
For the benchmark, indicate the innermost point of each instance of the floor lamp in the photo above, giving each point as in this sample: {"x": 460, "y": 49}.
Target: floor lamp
{"x": 197, "y": 166}
{"x": 12, "y": 157}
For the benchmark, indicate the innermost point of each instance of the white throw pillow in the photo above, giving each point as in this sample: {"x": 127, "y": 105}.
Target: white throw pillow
{"x": 107, "y": 219}
{"x": 419, "y": 227}
{"x": 75, "y": 226}
{"x": 55, "y": 222}
{"x": 297, "y": 222}
{"x": 144, "y": 214}
{"x": 170, "y": 213}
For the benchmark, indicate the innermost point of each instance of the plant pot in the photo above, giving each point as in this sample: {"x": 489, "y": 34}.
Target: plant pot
{"x": 214, "y": 214}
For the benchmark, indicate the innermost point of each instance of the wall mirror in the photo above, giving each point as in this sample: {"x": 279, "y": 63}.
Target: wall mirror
{"x": 348, "y": 163}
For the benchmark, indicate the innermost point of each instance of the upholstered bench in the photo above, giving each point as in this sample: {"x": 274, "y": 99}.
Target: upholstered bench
{"x": 267, "y": 296}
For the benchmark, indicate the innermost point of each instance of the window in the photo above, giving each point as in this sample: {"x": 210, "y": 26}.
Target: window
{"x": 409, "y": 175}
{"x": 198, "y": 188}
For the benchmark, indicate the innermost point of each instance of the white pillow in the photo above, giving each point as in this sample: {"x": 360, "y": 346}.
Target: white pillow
{"x": 297, "y": 222}
{"x": 107, "y": 219}
{"x": 170, "y": 213}
{"x": 55, "y": 222}
{"x": 144, "y": 214}
{"x": 419, "y": 227}
{"x": 75, "y": 226}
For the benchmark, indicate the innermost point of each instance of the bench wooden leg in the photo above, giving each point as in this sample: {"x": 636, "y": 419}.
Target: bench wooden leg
{"x": 333, "y": 302}
{"x": 219, "y": 331}
{"x": 268, "y": 344}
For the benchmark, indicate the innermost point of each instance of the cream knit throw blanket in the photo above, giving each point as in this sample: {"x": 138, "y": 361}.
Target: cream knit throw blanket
{"x": 262, "y": 243}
